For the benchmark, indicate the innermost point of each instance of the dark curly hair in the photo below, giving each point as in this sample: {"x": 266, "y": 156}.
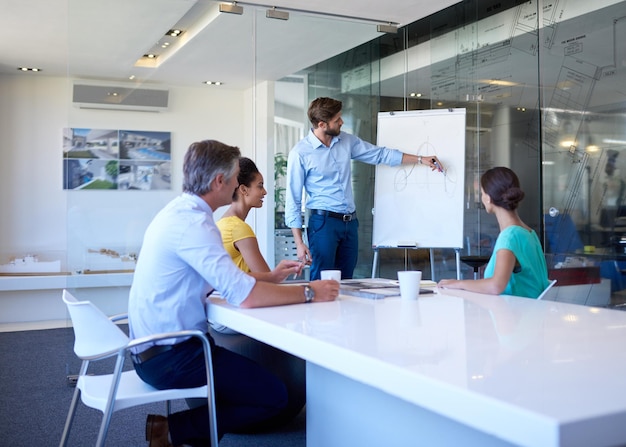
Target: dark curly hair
{"x": 247, "y": 172}
{"x": 502, "y": 186}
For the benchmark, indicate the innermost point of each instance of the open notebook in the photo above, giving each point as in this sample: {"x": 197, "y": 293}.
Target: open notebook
{"x": 377, "y": 288}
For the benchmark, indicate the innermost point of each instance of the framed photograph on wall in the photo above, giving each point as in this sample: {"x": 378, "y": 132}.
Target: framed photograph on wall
{"x": 116, "y": 159}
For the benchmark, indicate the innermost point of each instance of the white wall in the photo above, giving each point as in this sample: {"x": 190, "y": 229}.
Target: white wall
{"x": 38, "y": 216}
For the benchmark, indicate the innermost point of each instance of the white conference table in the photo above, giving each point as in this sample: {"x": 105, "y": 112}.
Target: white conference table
{"x": 451, "y": 369}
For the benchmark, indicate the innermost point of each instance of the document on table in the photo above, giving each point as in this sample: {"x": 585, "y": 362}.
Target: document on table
{"x": 377, "y": 288}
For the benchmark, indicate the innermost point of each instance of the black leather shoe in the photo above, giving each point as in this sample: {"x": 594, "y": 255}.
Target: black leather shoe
{"x": 157, "y": 431}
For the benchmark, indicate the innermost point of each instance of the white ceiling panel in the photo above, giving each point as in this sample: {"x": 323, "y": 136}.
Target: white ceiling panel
{"x": 94, "y": 39}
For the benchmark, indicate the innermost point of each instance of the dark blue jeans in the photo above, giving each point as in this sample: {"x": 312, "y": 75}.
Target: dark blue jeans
{"x": 246, "y": 395}
{"x": 334, "y": 245}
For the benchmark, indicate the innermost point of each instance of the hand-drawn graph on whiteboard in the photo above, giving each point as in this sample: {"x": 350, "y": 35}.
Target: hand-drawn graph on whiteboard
{"x": 414, "y": 206}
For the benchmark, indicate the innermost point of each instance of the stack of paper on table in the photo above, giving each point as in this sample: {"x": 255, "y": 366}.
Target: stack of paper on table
{"x": 378, "y": 288}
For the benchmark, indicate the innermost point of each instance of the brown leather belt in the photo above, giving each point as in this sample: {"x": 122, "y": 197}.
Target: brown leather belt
{"x": 345, "y": 217}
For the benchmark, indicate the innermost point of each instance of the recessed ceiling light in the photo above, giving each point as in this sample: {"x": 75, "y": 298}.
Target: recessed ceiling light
{"x": 162, "y": 49}
{"x": 29, "y": 69}
{"x": 415, "y": 95}
{"x": 213, "y": 83}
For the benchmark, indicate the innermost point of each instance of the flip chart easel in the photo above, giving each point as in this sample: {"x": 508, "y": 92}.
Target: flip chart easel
{"x": 415, "y": 207}
{"x": 406, "y": 257}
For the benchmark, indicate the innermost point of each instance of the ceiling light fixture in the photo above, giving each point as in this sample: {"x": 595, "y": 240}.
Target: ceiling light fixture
{"x": 29, "y": 69}
{"x": 388, "y": 28}
{"x": 231, "y": 8}
{"x": 591, "y": 147}
{"x": 384, "y": 26}
{"x": 568, "y": 139}
{"x": 276, "y": 14}
{"x": 160, "y": 49}
{"x": 498, "y": 82}
{"x": 213, "y": 83}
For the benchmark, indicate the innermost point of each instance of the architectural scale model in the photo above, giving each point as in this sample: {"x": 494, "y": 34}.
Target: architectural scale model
{"x": 30, "y": 264}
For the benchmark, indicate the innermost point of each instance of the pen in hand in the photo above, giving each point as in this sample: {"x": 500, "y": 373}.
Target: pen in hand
{"x": 295, "y": 275}
{"x": 437, "y": 165}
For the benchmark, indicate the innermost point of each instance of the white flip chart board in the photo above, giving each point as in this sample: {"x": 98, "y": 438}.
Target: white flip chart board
{"x": 414, "y": 206}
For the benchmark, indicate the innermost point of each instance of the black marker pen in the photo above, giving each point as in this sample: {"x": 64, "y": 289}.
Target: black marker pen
{"x": 437, "y": 165}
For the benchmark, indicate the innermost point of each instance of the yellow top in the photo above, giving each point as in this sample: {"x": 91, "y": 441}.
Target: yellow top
{"x": 234, "y": 229}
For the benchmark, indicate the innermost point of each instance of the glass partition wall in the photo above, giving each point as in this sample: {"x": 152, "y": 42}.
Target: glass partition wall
{"x": 245, "y": 106}
{"x": 583, "y": 130}
{"x": 541, "y": 83}
{"x": 462, "y": 57}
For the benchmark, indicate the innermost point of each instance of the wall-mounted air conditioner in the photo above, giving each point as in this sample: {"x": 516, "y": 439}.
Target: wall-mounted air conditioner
{"x": 87, "y": 96}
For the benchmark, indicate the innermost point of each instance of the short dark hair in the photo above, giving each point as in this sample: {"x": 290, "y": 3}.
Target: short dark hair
{"x": 204, "y": 161}
{"x": 247, "y": 172}
{"x": 502, "y": 186}
{"x": 323, "y": 110}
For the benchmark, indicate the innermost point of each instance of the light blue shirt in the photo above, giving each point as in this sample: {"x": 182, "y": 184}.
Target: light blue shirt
{"x": 326, "y": 175}
{"x": 181, "y": 260}
{"x": 532, "y": 279}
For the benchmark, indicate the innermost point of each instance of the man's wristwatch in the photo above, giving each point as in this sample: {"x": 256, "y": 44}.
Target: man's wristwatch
{"x": 309, "y": 294}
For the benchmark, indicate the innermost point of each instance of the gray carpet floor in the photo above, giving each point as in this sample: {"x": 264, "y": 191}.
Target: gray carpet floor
{"x": 34, "y": 366}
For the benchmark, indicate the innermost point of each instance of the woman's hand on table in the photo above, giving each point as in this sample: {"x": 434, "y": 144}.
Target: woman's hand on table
{"x": 449, "y": 284}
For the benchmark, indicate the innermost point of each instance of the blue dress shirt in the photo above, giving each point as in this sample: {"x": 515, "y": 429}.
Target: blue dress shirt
{"x": 181, "y": 260}
{"x": 326, "y": 175}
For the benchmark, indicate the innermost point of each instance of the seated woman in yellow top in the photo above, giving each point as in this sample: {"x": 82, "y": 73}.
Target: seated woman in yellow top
{"x": 238, "y": 237}
{"x": 241, "y": 243}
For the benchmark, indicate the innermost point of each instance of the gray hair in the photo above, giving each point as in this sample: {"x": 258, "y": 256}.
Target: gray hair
{"x": 204, "y": 161}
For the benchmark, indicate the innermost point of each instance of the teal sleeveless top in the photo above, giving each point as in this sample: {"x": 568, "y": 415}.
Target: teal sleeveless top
{"x": 532, "y": 278}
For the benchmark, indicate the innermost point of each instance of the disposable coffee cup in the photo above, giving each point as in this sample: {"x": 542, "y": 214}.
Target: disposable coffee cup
{"x": 331, "y": 274}
{"x": 409, "y": 284}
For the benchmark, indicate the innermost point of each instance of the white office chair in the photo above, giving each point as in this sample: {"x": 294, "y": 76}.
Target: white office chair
{"x": 98, "y": 337}
{"x": 543, "y": 294}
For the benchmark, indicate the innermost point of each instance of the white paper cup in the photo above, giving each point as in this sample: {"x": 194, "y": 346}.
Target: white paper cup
{"x": 409, "y": 284}
{"x": 331, "y": 274}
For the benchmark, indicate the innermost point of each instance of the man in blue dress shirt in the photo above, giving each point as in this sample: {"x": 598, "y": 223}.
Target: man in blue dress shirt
{"x": 182, "y": 260}
{"x": 320, "y": 163}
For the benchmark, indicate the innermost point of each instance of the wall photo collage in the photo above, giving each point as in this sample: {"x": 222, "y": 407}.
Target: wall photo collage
{"x": 116, "y": 159}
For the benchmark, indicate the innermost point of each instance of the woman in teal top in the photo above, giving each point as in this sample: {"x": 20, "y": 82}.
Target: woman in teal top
{"x": 517, "y": 265}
